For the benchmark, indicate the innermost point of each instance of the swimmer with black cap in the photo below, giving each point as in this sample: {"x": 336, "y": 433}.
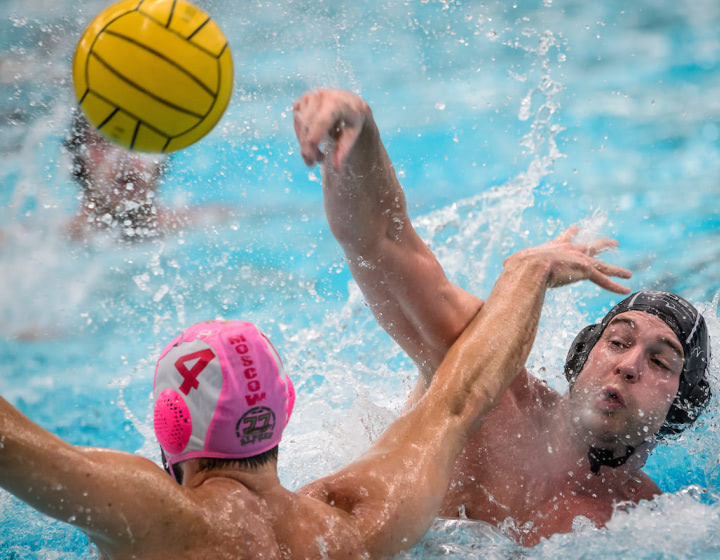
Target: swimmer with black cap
{"x": 529, "y": 468}
{"x": 686, "y": 348}
{"x": 222, "y": 400}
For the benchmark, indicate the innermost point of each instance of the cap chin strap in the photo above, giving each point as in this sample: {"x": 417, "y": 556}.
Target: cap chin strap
{"x": 165, "y": 464}
{"x": 168, "y": 469}
{"x": 605, "y": 457}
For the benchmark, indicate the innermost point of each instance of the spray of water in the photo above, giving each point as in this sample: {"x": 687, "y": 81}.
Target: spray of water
{"x": 487, "y": 225}
{"x": 351, "y": 377}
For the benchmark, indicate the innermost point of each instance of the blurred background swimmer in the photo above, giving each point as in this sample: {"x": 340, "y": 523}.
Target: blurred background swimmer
{"x": 120, "y": 203}
{"x": 119, "y": 189}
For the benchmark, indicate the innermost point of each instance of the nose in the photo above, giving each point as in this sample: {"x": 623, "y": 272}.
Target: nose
{"x": 629, "y": 367}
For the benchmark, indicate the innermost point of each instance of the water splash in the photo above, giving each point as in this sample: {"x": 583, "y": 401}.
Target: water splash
{"x": 468, "y": 234}
{"x": 98, "y": 298}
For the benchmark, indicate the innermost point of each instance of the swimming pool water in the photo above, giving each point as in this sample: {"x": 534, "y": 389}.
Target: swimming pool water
{"x": 506, "y": 122}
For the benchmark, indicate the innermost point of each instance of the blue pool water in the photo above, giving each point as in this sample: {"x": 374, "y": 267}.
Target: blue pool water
{"x": 506, "y": 122}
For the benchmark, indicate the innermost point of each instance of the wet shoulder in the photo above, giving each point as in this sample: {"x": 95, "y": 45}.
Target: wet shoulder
{"x": 279, "y": 523}
{"x": 642, "y": 487}
{"x": 530, "y": 395}
{"x": 220, "y": 519}
{"x": 544, "y": 395}
{"x": 314, "y": 523}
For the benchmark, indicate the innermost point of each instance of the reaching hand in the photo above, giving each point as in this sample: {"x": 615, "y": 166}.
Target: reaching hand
{"x": 328, "y": 116}
{"x": 571, "y": 262}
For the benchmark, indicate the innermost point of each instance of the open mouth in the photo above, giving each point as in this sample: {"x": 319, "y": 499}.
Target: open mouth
{"x": 612, "y": 398}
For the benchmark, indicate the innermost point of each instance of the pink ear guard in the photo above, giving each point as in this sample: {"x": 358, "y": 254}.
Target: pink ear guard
{"x": 220, "y": 391}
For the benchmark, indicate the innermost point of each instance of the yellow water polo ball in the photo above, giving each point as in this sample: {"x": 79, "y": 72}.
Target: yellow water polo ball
{"x": 153, "y": 75}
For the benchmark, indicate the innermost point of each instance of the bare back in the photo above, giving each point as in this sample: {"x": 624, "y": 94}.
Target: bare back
{"x": 225, "y": 519}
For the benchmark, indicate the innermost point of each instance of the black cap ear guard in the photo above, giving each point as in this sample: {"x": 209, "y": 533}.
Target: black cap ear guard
{"x": 686, "y": 408}
{"x": 688, "y": 324}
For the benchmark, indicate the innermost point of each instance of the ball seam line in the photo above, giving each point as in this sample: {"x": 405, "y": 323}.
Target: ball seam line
{"x": 172, "y": 12}
{"x": 133, "y": 116}
{"x": 198, "y": 29}
{"x": 103, "y": 30}
{"x": 110, "y": 116}
{"x": 222, "y": 51}
{"x": 135, "y": 133}
{"x": 203, "y": 49}
{"x": 164, "y": 58}
{"x": 199, "y": 123}
{"x": 148, "y": 93}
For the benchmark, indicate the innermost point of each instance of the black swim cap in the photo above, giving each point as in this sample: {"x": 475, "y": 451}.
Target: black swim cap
{"x": 688, "y": 325}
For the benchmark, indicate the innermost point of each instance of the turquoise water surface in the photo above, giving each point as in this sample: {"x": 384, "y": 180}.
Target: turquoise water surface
{"x": 506, "y": 122}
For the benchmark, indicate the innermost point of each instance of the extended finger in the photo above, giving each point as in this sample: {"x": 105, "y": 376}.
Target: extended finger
{"x": 567, "y": 235}
{"x": 600, "y": 245}
{"x": 607, "y": 283}
{"x": 611, "y": 269}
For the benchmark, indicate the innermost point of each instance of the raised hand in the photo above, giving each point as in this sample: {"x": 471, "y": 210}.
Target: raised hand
{"x": 329, "y": 118}
{"x": 570, "y": 262}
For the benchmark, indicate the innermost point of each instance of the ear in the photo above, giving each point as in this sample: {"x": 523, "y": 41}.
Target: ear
{"x": 687, "y": 406}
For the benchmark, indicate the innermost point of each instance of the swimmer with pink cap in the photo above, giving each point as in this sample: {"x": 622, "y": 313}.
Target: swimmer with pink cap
{"x": 220, "y": 391}
{"x": 222, "y": 400}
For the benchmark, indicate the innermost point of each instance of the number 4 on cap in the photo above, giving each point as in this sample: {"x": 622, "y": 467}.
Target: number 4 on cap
{"x": 203, "y": 357}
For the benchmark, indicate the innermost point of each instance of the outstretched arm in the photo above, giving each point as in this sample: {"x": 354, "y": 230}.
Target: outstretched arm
{"x": 395, "y": 490}
{"x": 106, "y": 493}
{"x": 401, "y": 279}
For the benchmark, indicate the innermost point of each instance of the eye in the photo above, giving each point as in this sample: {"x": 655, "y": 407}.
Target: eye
{"x": 660, "y": 364}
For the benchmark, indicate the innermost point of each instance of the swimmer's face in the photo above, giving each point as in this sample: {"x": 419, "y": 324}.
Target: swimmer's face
{"x": 629, "y": 381}
{"x": 116, "y": 175}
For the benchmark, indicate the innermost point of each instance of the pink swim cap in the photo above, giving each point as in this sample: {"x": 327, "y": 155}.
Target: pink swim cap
{"x": 220, "y": 391}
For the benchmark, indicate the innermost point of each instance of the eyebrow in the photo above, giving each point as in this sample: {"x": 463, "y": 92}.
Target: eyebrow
{"x": 668, "y": 342}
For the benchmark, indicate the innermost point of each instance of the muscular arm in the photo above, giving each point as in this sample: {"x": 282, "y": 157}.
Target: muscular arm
{"x": 106, "y": 493}
{"x": 394, "y": 491}
{"x": 401, "y": 279}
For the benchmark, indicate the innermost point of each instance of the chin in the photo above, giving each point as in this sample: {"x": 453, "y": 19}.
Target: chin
{"x": 604, "y": 432}
{"x": 604, "y": 439}
{"x": 599, "y": 429}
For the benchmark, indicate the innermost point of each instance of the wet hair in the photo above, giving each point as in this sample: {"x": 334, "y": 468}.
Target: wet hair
{"x": 75, "y": 142}
{"x": 249, "y": 463}
{"x": 688, "y": 325}
{"x": 212, "y": 463}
